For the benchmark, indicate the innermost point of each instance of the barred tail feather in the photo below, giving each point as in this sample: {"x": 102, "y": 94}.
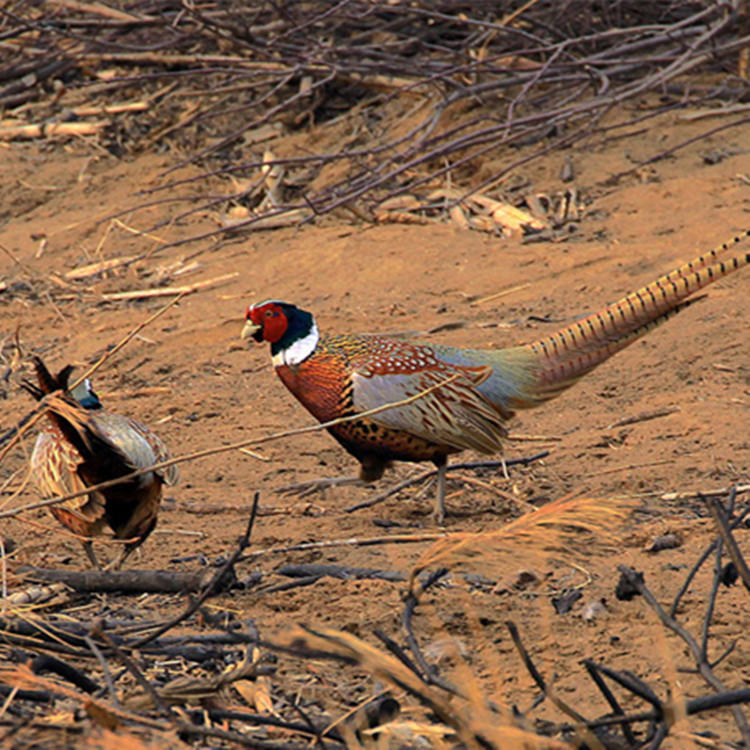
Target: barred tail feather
{"x": 48, "y": 383}
{"x": 102, "y": 460}
{"x": 558, "y": 374}
{"x": 703, "y": 260}
{"x": 564, "y": 357}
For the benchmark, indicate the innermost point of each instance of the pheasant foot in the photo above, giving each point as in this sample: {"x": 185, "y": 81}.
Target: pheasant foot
{"x": 431, "y": 473}
{"x": 117, "y": 562}
{"x": 317, "y": 485}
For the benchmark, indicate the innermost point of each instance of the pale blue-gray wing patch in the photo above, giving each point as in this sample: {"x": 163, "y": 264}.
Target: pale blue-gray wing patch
{"x": 142, "y": 446}
{"x": 514, "y": 374}
{"x": 456, "y": 414}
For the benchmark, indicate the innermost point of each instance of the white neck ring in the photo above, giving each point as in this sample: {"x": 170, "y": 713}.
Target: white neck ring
{"x": 299, "y": 351}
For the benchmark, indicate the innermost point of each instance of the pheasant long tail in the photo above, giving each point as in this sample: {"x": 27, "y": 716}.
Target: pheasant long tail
{"x": 564, "y": 357}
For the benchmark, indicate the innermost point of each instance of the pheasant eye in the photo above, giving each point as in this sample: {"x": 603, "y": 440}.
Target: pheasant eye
{"x": 269, "y": 313}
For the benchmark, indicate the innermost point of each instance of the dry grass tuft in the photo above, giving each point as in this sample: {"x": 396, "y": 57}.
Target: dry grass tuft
{"x": 563, "y": 528}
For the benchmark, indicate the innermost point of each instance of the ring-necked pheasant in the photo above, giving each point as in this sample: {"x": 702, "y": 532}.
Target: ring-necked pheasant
{"x": 83, "y": 445}
{"x": 343, "y": 375}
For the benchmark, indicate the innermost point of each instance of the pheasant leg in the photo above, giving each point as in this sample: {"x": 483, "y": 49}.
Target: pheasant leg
{"x": 439, "y": 513}
{"x": 89, "y": 548}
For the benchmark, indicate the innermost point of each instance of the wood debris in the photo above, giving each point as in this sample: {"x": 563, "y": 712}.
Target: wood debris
{"x": 514, "y": 97}
{"x": 93, "y": 269}
{"x": 9, "y": 132}
{"x": 473, "y": 211}
{"x": 644, "y": 416}
{"x": 168, "y": 291}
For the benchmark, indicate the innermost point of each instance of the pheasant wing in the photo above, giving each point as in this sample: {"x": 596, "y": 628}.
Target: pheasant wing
{"x": 142, "y": 446}
{"x": 455, "y": 414}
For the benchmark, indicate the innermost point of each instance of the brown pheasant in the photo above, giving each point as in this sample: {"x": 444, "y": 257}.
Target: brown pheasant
{"x": 83, "y": 445}
{"x": 341, "y": 376}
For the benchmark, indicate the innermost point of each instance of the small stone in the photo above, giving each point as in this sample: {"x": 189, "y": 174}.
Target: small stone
{"x": 665, "y": 541}
{"x": 591, "y": 610}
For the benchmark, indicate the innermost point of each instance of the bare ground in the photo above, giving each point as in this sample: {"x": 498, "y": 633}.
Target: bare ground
{"x": 191, "y": 377}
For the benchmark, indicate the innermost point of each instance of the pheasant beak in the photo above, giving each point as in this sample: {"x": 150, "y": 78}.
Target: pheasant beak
{"x": 252, "y": 331}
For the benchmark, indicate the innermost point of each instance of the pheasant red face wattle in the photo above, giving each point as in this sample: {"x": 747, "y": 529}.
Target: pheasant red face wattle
{"x": 265, "y": 322}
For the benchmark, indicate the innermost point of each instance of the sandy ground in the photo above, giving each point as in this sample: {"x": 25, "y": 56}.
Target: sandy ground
{"x": 190, "y": 377}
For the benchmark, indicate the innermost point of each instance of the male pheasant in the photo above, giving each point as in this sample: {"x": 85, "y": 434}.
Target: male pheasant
{"x": 343, "y": 375}
{"x": 83, "y": 445}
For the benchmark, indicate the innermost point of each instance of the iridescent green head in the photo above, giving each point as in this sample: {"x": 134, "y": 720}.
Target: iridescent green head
{"x": 85, "y": 395}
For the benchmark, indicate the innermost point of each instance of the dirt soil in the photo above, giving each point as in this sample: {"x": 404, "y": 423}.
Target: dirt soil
{"x": 191, "y": 378}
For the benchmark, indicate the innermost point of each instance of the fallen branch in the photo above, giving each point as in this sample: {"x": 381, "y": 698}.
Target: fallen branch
{"x": 122, "y": 581}
{"x": 168, "y": 291}
{"x": 644, "y": 416}
{"x": 354, "y": 542}
{"x": 698, "y": 494}
{"x": 635, "y": 580}
{"x": 214, "y": 585}
{"x": 83, "y": 272}
{"x": 339, "y": 571}
{"x": 581, "y": 723}
{"x": 51, "y": 129}
{"x": 725, "y": 532}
